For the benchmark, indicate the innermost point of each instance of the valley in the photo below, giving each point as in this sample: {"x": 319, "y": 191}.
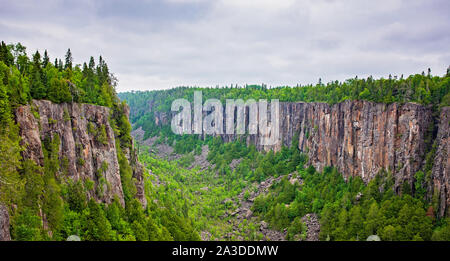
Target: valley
{"x": 354, "y": 160}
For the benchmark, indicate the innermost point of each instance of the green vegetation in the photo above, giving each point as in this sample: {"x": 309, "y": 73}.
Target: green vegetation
{"x": 192, "y": 193}
{"x": 44, "y": 203}
{"x": 347, "y": 209}
{"x": 185, "y": 201}
{"x": 420, "y": 88}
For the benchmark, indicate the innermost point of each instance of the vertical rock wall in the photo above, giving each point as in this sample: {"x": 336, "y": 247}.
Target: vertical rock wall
{"x": 88, "y": 153}
{"x": 441, "y": 166}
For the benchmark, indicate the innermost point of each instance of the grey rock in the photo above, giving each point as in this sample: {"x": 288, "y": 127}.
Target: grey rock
{"x": 441, "y": 167}
{"x": 4, "y": 224}
{"x": 373, "y": 238}
{"x": 73, "y": 238}
{"x": 70, "y": 122}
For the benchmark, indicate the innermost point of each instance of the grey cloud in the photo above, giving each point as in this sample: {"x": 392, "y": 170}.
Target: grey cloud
{"x": 165, "y": 43}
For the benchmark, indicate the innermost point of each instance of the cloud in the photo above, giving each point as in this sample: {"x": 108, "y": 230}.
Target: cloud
{"x": 161, "y": 44}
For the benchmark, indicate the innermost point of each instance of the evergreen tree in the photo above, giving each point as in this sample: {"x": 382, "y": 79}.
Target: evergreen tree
{"x": 68, "y": 64}
{"x": 97, "y": 225}
{"x": 38, "y": 89}
{"x": 5, "y": 55}
{"x": 45, "y": 59}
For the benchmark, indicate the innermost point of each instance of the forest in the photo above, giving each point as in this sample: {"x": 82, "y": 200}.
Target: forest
{"x": 421, "y": 88}
{"x": 347, "y": 209}
{"x": 31, "y": 191}
{"x": 191, "y": 202}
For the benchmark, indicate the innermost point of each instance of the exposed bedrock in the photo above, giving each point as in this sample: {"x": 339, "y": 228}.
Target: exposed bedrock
{"x": 83, "y": 147}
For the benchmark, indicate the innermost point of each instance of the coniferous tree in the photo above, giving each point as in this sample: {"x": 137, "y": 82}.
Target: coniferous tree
{"x": 60, "y": 65}
{"x": 91, "y": 64}
{"x": 37, "y": 88}
{"x": 68, "y": 64}
{"x": 5, "y": 55}
{"x": 45, "y": 59}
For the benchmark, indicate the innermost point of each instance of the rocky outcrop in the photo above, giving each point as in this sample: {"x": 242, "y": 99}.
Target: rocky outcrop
{"x": 4, "y": 224}
{"x": 87, "y": 144}
{"x": 441, "y": 166}
{"x": 161, "y": 118}
{"x": 245, "y": 204}
{"x": 312, "y": 224}
{"x": 361, "y": 138}
{"x": 138, "y": 173}
{"x": 137, "y": 167}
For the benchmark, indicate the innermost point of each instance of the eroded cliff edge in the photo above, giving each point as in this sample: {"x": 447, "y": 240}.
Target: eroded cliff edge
{"x": 87, "y": 144}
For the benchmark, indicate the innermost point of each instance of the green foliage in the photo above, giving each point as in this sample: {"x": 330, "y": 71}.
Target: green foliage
{"x": 423, "y": 89}
{"x": 344, "y": 216}
{"x": 96, "y": 225}
{"x": 38, "y": 78}
{"x": 53, "y": 206}
{"x": 188, "y": 200}
{"x": 48, "y": 204}
{"x": 27, "y": 226}
{"x": 126, "y": 175}
{"x": 66, "y": 115}
{"x": 442, "y": 233}
{"x": 101, "y": 135}
{"x": 75, "y": 196}
{"x": 34, "y": 185}
{"x": 296, "y": 230}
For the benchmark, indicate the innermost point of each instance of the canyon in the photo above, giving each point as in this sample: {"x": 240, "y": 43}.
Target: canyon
{"x": 363, "y": 138}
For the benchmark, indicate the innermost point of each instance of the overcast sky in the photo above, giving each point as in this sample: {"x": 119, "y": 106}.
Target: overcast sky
{"x": 159, "y": 44}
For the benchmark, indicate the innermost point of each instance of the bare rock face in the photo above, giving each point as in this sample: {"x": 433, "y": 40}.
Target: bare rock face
{"x": 4, "y": 224}
{"x": 137, "y": 167}
{"x": 161, "y": 118}
{"x": 138, "y": 173}
{"x": 360, "y": 138}
{"x": 87, "y": 143}
{"x": 441, "y": 166}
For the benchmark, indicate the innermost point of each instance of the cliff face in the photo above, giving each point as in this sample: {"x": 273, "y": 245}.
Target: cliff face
{"x": 360, "y": 138}
{"x": 441, "y": 166}
{"x": 87, "y": 143}
{"x": 137, "y": 167}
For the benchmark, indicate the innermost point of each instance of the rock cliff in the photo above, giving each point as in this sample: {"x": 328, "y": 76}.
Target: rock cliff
{"x": 87, "y": 144}
{"x": 441, "y": 166}
{"x": 360, "y": 138}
